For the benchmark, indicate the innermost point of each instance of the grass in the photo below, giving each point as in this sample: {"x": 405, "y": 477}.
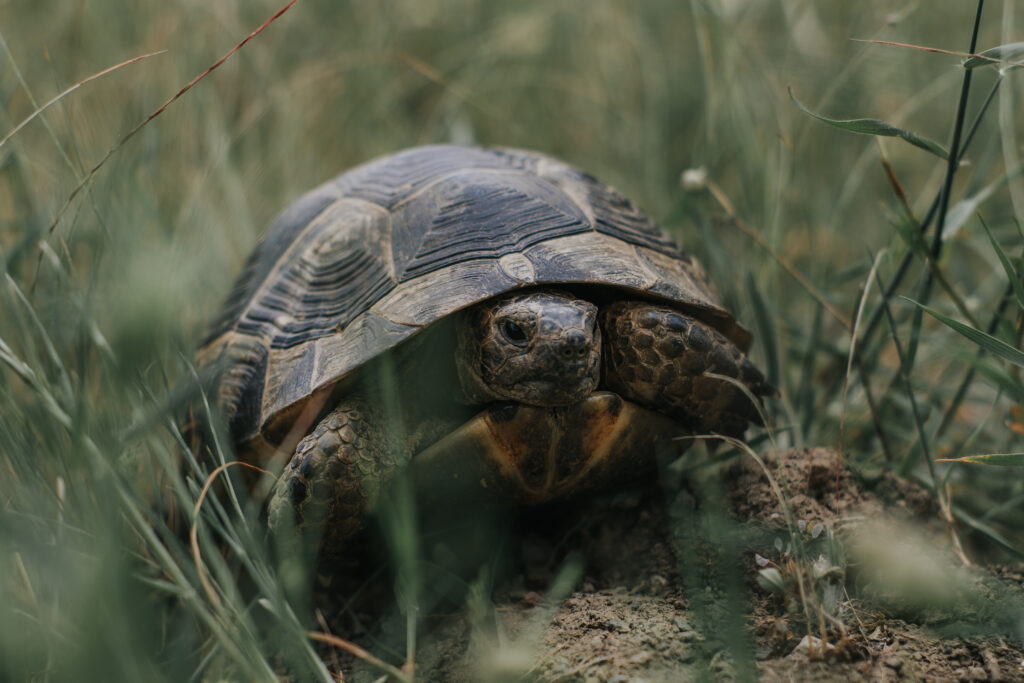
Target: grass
{"x": 106, "y": 290}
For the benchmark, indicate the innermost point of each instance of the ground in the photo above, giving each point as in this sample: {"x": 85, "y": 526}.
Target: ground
{"x": 629, "y": 587}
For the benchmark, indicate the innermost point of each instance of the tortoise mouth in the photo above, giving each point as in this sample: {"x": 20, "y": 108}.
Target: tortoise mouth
{"x": 552, "y": 393}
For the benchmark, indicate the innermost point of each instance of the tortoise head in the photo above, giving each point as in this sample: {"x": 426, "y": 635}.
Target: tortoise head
{"x": 540, "y": 348}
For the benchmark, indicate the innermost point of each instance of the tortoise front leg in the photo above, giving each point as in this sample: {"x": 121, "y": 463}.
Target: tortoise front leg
{"x": 657, "y": 356}
{"x": 329, "y": 485}
{"x": 514, "y": 453}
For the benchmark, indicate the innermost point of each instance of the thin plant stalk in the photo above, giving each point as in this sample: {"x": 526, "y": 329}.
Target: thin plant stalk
{"x": 947, "y": 191}
{"x": 908, "y": 256}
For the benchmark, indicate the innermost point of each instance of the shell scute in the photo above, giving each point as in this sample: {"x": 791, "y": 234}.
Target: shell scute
{"x": 478, "y": 215}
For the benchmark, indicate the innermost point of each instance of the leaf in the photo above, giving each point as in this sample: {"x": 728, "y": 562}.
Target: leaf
{"x": 997, "y": 56}
{"x": 1011, "y": 272}
{"x": 960, "y": 212}
{"x": 994, "y": 459}
{"x": 985, "y": 529}
{"x": 986, "y": 341}
{"x": 876, "y": 127}
{"x": 770, "y": 580}
{"x": 1000, "y": 377}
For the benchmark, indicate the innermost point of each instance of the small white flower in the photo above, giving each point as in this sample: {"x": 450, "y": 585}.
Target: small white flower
{"x": 694, "y": 179}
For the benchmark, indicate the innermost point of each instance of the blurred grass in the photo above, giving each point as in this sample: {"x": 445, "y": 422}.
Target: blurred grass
{"x": 99, "y": 318}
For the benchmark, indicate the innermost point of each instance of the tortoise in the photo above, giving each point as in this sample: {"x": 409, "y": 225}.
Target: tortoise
{"x": 489, "y": 314}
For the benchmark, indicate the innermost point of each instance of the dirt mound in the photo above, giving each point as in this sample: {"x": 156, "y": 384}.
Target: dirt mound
{"x": 817, "y": 488}
{"x": 670, "y": 584}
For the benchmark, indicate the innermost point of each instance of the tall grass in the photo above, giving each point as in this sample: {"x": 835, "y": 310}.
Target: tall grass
{"x": 100, "y": 315}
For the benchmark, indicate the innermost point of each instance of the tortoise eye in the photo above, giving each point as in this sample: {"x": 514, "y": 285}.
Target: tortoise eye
{"x": 513, "y": 332}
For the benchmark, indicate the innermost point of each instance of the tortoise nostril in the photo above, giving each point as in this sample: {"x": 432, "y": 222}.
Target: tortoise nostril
{"x": 575, "y": 340}
{"x": 575, "y": 345}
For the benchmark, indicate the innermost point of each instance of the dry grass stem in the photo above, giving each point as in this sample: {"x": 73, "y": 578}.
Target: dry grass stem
{"x": 356, "y": 651}
{"x": 73, "y": 88}
{"x": 193, "y": 534}
{"x": 159, "y": 110}
{"x": 723, "y": 201}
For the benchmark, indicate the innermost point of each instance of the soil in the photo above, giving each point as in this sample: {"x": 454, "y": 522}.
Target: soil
{"x": 711, "y": 579}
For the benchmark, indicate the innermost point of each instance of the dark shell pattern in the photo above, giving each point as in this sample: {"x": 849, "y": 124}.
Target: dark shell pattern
{"x": 368, "y": 259}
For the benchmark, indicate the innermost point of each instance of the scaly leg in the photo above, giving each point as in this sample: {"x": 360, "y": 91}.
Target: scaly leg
{"x": 333, "y": 478}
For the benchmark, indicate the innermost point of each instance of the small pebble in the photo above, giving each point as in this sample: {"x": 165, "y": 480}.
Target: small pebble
{"x": 809, "y": 643}
{"x": 616, "y": 625}
{"x": 893, "y": 662}
{"x": 533, "y": 598}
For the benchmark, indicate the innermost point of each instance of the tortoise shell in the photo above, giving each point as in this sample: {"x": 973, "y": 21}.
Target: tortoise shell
{"x": 369, "y": 259}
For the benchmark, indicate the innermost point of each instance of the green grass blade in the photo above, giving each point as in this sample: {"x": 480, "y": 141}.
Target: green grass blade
{"x": 877, "y": 127}
{"x": 960, "y": 212}
{"x": 1011, "y": 272}
{"x": 997, "y": 375}
{"x": 986, "y": 530}
{"x": 1011, "y": 52}
{"x": 993, "y": 459}
{"x": 768, "y": 337}
{"x": 986, "y": 341}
